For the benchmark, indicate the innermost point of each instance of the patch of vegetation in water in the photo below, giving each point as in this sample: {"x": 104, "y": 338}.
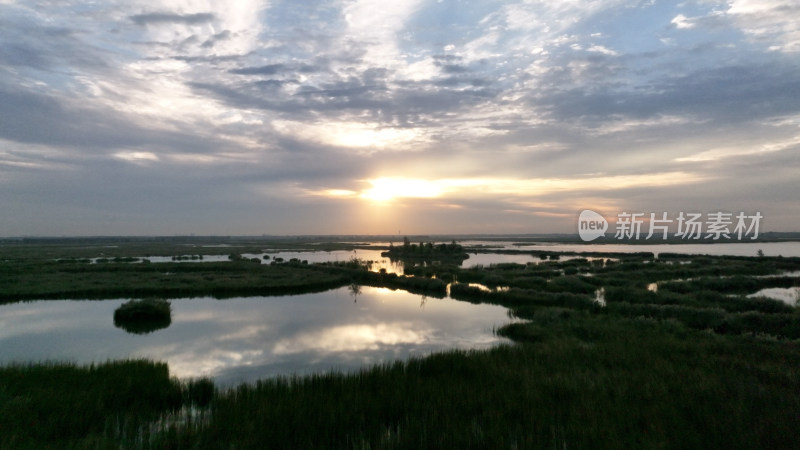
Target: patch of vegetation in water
{"x": 357, "y": 272}
{"x": 143, "y": 316}
{"x": 451, "y": 253}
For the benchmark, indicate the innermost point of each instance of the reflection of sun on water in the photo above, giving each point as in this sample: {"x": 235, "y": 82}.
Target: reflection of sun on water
{"x": 387, "y": 189}
{"x": 380, "y": 291}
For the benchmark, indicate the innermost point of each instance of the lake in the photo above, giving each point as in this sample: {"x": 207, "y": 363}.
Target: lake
{"x": 379, "y": 262}
{"x": 243, "y": 339}
{"x": 729, "y": 249}
{"x": 485, "y": 259}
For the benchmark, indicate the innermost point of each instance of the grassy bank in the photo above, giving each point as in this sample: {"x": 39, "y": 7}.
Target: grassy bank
{"x": 52, "y": 280}
{"x": 70, "y": 280}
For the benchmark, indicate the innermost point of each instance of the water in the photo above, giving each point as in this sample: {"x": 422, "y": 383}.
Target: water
{"x": 733, "y": 249}
{"x": 730, "y": 249}
{"x": 379, "y": 262}
{"x": 485, "y": 259}
{"x": 775, "y": 293}
{"x": 206, "y": 258}
{"x": 600, "y": 296}
{"x": 244, "y": 339}
{"x": 790, "y": 296}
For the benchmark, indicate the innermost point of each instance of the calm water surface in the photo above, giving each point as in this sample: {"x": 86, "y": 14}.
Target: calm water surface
{"x": 244, "y": 339}
{"x": 730, "y": 249}
{"x": 380, "y": 262}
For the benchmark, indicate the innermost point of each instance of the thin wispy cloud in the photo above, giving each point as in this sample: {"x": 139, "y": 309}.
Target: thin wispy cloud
{"x": 171, "y": 18}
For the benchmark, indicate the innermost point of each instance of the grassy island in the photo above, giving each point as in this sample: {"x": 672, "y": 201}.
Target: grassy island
{"x": 143, "y": 316}
{"x": 428, "y": 253}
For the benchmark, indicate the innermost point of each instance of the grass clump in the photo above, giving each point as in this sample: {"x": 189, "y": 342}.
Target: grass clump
{"x": 143, "y": 316}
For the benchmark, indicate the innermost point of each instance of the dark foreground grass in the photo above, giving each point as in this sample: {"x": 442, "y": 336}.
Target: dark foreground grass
{"x": 61, "y": 405}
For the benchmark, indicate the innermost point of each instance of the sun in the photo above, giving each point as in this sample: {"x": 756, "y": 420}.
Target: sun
{"x": 388, "y": 189}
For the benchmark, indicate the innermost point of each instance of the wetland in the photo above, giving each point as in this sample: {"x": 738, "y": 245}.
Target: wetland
{"x": 338, "y": 346}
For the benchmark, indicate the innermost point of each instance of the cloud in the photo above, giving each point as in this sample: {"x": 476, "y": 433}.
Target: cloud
{"x": 390, "y": 188}
{"x": 42, "y": 119}
{"x": 297, "y": 108}
{"x": 373, "y": 27}
{"x": 28, "y": 43}
{"x": 270, "y": 69}
{"x": 350, "y": 134}
{"x": 723, "y": 95}
{"x": 682, "y": 22}
{"x": 773, "y": 22}
{"x": 717, "y": 154}
{"x": 217, "y": 38}
{"x": 171, "y": 18}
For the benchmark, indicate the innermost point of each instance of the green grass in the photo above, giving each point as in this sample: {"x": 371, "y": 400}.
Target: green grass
{"x": 61, "y": 405}
{"x": 51, "y": 280}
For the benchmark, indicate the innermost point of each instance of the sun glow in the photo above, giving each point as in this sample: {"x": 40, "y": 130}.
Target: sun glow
{"x": 387, "y": 189}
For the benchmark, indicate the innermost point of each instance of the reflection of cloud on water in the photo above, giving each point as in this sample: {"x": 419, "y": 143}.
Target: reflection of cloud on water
{"x": 243, "y": 339}
{"x": 46, "y": 317}
{"x": 790, "y": 296}
{"x": 247, "y": 333}
{"x": 350, "y": 338}
{"x": 315, "y": 350}
{"x": 209, "y": 363}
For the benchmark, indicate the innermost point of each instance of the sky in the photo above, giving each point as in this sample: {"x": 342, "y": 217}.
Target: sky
{"x": 279, "y": 117}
